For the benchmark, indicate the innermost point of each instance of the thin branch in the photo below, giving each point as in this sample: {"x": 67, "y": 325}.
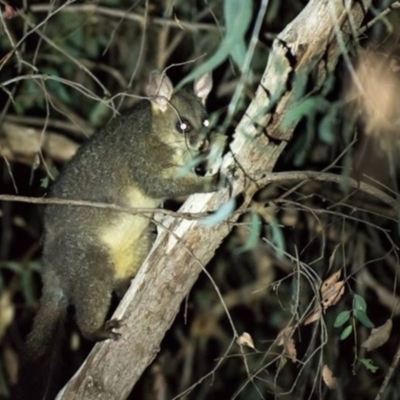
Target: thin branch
{"x": 389, "y": 374}
{"x": 273, "y": 177}
{"x": 52, "y": 123}
{"x": 82, "y": 203}
{"x": 329, "y": 177}
{"x": 95, "y": 9}
{"x": 394, "y": 6}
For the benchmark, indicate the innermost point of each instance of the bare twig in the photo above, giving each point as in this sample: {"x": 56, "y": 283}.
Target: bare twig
{"x": 389, "y": 374}
{"x": 273, "y": 177}
{"x": 394, "y": 6}
{"x": 82, "y": 203}
{"x": 329, "y": 177}
{"x": 109, "y": 12}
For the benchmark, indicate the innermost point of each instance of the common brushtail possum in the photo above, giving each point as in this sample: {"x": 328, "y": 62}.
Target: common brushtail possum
{"x": 137, "y": 160}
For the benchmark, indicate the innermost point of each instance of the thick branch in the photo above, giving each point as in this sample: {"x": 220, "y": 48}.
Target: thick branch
{"x": 22, "y": 143}
{"x": 184, "y": 247}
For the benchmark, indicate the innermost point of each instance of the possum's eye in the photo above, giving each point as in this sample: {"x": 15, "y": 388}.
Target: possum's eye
{"x": 183, "y": 126}
{"x": 206, "y": 123}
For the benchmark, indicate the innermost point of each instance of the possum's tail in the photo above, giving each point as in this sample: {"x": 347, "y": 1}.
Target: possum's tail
{"x": 40, "y": 374}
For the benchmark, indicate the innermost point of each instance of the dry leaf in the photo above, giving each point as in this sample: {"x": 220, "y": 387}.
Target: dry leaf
{"x": 332, "y": 290}
{"x": 7, "y": 311}
{"x": 333, "y": 295}
{"x": 245, "y": 340}
{"x": 379, "y": 336}
{"x": 315, "y": 316}
{"x": 328, "y": 377}
{"x": 290, "y": 217}
{"x": 290, "y": 348}
{"x": 285, "y": 340}
{"x": 327, "y": 283}
{"x": 11, "y": 363}
{"x": 288, "y": 331}
{"x": 9, "y": 12}
{"x": 177, "y": 20}
{"x": 281, "y": 363}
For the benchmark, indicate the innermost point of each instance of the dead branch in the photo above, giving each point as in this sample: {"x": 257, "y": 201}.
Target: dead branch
{"x": 23, "y": 143}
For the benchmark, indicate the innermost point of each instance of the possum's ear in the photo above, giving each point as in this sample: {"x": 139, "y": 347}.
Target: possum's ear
{"x": 202, "y": 87}
{"x": 159, "y": 90}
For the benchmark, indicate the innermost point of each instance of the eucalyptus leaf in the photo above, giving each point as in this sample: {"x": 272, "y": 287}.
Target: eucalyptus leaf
{"x": 221, "y": 214}
{"x": 12, "y": 266}
{"x": 35, "y": 266}
{"x": 305, "y": 108}
{"x": 238, "y": 15}
{"x": 26, "y": 286}
{"x": 277, "y": 238}
{"x": 255, "y": 230}
{"x": 326, "y": 130}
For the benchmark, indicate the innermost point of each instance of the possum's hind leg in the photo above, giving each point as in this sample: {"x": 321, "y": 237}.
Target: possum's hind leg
{"x": 91, "y": 293}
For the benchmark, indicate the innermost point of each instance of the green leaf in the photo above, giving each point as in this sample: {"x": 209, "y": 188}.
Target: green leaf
{"x": 342, "y": 318}
{"x": 51, "y": 176}
{"x": 301, "y": 149}
{"x": 44, "y": 182}
{"x": 35, "y": 266}
{"x": 367, "y": 362}
{"x": 305, "y": 108}
{"x": 221, "y": 214}
{"x": 100, "y": 114}
{"x": 238, "y": 15}
{"x": 30, "y": 96}
{"x": 26, "y": 286}
{"x": 277, "y": 238}
{"x": 359, "y": 303}
{"x": 326, "y": 131}
{"x": 347, "y": 332}
{"x": 329, "y": 85}
{"x": 58, "y": 88}
{"x": 27, "y": 273}
{"x": 363, "y": 318}
{"x": 13, "y": 266}
{"x": 255, "y": 230}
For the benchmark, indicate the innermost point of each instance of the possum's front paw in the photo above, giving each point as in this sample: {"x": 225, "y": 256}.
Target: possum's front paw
{"x": 107, "y": 331}
{"x": 110, "y": 326}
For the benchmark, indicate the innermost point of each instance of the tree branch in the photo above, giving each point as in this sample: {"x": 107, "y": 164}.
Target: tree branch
{"x": 23, "y": 143}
